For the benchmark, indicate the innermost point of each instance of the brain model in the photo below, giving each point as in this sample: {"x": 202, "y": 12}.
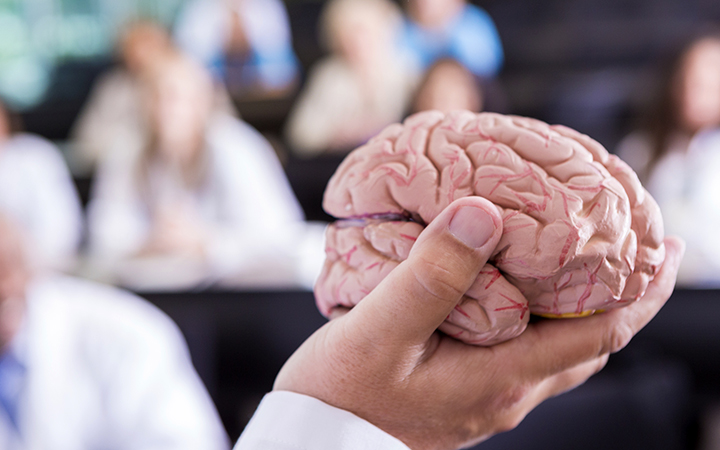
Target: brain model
{"x": 580, "y": 234}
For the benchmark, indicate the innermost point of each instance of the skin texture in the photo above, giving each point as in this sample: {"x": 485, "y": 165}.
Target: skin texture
{"x": 384, "y": 360}
{"x": 14, "y": 276}
{"x": 580, "y": 232}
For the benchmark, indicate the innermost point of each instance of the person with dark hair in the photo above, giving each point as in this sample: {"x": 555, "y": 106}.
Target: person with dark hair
{"x": 678, "y": 157}
{"x": 688, "y": 102}
{"x": 37, "y": 191}
{"x": 448, "y": 86}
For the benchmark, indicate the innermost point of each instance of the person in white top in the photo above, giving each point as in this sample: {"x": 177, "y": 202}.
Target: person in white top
{"x": 37, "y": 191}
{"x": 85, "y": 366}
{"x": 686, "y": 186}
{"x": 363, "y": 86}
{"x": 200, "y": 185}
{"x": 381, "y": 377}
{"x": 678, "y": 157}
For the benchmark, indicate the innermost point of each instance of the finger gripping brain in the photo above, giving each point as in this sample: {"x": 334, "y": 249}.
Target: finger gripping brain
{"x": 580, "y": 233}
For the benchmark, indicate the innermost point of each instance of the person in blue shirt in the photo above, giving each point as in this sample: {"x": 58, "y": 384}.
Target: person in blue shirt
{"x": 245, "y": 43}
{"x": 454, "y": 29}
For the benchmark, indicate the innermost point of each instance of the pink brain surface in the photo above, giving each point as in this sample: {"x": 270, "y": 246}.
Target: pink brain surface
{"x": 580, "y": 234}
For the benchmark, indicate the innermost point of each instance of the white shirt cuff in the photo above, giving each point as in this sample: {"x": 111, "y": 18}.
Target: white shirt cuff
{"x": 290, "y": 421}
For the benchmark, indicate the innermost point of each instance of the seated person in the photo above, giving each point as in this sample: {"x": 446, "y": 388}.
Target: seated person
{"x": 448, "y": 86}
{"x": 200, "y": 188}
{"x": 360, "y": 88}
{"x": 114, "y": 107}
{"x": 245, "y": 43}
{"x": 454, "y": 29}
{"x": 36, "y": 190}
{"x": 114, "y": 102}
{"x": 678, "y": 157}
{"x": 84, "y": 366}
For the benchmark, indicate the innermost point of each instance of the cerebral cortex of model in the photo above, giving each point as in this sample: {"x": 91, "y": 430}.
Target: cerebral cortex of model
{"x": 580, "y": 233}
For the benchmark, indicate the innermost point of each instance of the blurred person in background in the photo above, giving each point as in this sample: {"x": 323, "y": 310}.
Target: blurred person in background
{"x": 114, "y": 107}
{"x": 245, "y": 43}
{"x": 200, "y": 188}
{"x": 84, "y": 366}
{"x": 678, "y": 158}
{"x": 436, "y": 29}
{"x": 36, "y": 190}
{"x": 360, "y": 88}
{"x": 448, "y": 86}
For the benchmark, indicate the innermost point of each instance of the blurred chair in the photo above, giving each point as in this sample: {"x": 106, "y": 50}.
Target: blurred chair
{"x": 36, "y": 190}
{"x": 360, "y": 88}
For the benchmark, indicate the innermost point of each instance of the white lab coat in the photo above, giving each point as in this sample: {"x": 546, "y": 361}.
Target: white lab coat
{"x": 290, "y": 421}
{"x": 37, "y": 192}
{"x": 246, "y": 204}
{"x": 686, "y": 186}
{"x": 105, "y": 370}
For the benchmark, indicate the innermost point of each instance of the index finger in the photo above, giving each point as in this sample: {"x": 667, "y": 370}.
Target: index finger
{"x": 550, "y": 347}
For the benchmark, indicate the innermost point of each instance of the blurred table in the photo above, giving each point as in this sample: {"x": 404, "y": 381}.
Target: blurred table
{"x": 664, "y": 378}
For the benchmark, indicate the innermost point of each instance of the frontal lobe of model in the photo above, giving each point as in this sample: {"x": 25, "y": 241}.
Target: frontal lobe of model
{"x": 580, "y": 233}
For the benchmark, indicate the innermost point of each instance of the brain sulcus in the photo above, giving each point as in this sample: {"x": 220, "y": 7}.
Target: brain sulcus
{"x": 580, "y": 233}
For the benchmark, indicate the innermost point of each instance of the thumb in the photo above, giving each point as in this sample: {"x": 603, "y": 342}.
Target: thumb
{"x": 417, "y": 296}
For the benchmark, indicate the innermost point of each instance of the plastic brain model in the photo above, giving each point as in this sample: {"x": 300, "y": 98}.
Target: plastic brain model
{"x": 580, "y": 234}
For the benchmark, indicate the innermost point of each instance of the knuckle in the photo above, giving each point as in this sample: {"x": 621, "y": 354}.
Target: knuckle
{"x": 509, "y": 422}
{"x": 601, "y": 363}
{"x": 619, "y": 337}
{"x": 511, "y": 396}
{"x": 437, "y": 280}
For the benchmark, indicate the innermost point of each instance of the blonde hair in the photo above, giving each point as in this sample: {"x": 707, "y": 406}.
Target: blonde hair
{"x": 173, "y": 64}
{"x": 336, "y": 11}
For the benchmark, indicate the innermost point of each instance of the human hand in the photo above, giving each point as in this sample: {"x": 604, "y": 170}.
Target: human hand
{"x": 175, "y": 232}
{"x": 385, "y": 362}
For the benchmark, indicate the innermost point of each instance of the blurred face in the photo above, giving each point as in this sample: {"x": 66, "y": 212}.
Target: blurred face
{"x": 449, "y": 87}
{"x": 362, "y": 35}
{"x": 14, "y": 276}
{"x": 700, "y": 87}
{"x": 434, "y": 13}
{"x": 179, "y": 112}
{"x": 143, "y": 44}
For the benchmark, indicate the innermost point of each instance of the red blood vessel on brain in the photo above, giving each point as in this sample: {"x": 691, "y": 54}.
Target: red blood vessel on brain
{"x": 580, "y": 234}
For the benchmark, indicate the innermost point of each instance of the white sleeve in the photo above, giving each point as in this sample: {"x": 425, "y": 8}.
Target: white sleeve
{"x": 118, "y": 224}
{"x": 290, "y": 421}
{"x": 259, "y": 206}
{"x": 56, "y": 225}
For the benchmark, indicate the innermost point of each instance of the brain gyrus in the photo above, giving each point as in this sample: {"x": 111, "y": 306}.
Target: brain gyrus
{"x": 580, "y": 233}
